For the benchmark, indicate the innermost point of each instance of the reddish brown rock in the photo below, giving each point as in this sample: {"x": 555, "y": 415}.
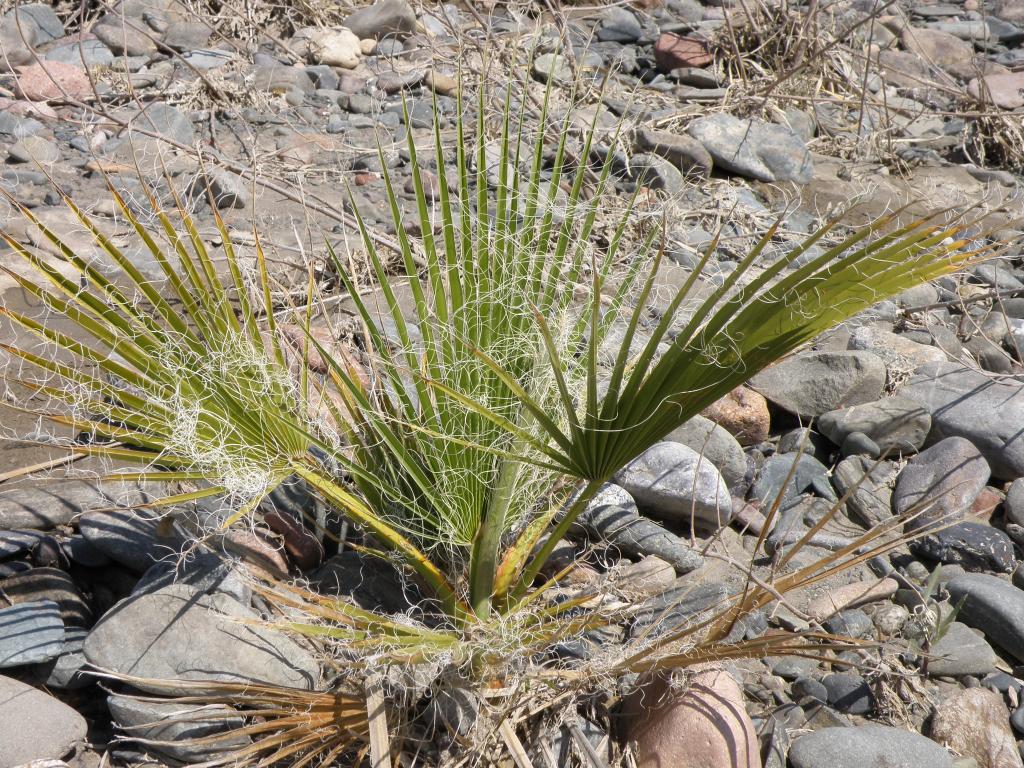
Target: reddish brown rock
{"x": 673, "y": 51}
{"x": 302, "y": 547}
{"x": 52, "y": 81}
{"x": 744, "y": 413}
{"x": 704, "y": 725}
{"x": 1005, "y": 91}
{"x": 985, "y": 504}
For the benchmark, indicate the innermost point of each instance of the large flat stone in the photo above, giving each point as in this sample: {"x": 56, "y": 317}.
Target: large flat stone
{"x": 57, "y": 503}
{"x": 34, "y": 725}
{"x": 30, "y": 633}
{"x": 177, "y": 633}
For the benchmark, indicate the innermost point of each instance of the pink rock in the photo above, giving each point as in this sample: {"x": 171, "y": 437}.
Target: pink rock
{"x": 27, "y": 108}
{"x": 673, "y": 51}
{"x": 52, "y": 81}
{"x": 705, "y": 725}
{"x": 1005, "y": 91}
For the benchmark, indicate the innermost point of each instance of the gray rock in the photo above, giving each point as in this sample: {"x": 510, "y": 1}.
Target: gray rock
{"x": 50, "y": 584}
{"x": 372, "y": 583}
{"x": 674, "y": 482}
{"x": 613, "y": 519}
{"x": 173, "y": 725}
{"x": 30, "y": 633}
{"x": 1014, "y": 504}
{"x": 814, "y": 383}
{"x": 676, "y": 606}
{"x": 716, "y": 444}
{"x": 67, "y": 671}
{"x": 228, "y": 190}
{"x": 655, "y": 172}
{"x": 848, "y": 692}
{"x": 187, "y": 35}
{"x": 87, "y": 54}
{"x": 974, "y": 546}
{"x": 125, "y": 37}
{"x": 37, "y": 21}
{"x": 994, "y": 606}
{"x": 17, "y": 543}
{"x": 17, "y": 126}
{"x": 810, "y": 476}
{"x": 34, "y": 725}
{"x": 33, "y": 149}
{"x": 965, "y": 403}
{"x": 278, "y": 78}
{"x": 867, "y": 746}
{"x": 167, "y": 121}
{"x": 685, "y": 153}
{"x": 961, "y": 651}
{"x": 940, "y": 483}
{"x": 852, "y": 622}
{"x": 206, "y": 572}
{"x": 895, "y": 423}
{"x": 619, "y": 26}
{"x": 870, "y": 501}
{"x": 752, "y": 148}
{"x": 384, "y": 17}
{"x": 177, "y": 633}
{"x": 133, "y": 539}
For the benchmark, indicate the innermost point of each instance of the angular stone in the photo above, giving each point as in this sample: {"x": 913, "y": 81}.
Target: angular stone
{"x": 752, "y": 148}
{"x": 34, "y": 725}
{"x": 35, "y": 150}
{"x": 177, "y": 633}
{"x": 969, "y": 404}
{"x": 942, "y": 49}
{"x": 674, "y": 482}
{"x": 30, "y": 633}
{"x": 940, "y": 483}
{"x": 814, "y": 383}
{"x": 164, "y": 120}
{"x": 37, "y": 21}
{"x": 867, "y": 746}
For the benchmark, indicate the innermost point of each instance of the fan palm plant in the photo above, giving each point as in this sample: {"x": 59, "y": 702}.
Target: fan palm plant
{"x": 482, "y": 420}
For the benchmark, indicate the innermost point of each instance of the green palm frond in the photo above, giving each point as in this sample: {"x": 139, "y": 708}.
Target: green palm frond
{"x": 489, "y": 393}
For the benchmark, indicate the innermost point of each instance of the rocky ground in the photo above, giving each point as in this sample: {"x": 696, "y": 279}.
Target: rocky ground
{"x": 734, "y": 115}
